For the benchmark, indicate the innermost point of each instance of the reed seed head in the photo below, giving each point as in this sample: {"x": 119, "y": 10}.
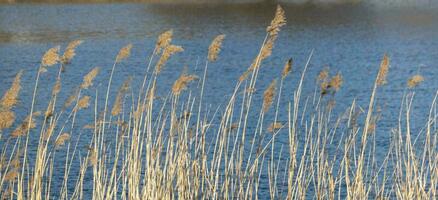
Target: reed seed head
{"x": 124, "y": 53}
{"x": 167, "y": 52}
{"x": 163, "y": 41}
{"x": 336, "y": 82}
{"x": 57, "y": 87}
{"x": 92, "y": 157}
{"x": 71, "y": 98}
{"x": 62, "y": 139}
{"x": 84, "y": 102}
{"x": 276, "y": 23}
{"x": 10, "y": 97}
{"x": 182, "y": 82}
{"x": 287, "y": 68}
{"x": 51, "y": 57}
{"x": 117, "y": 108}
{"x": 274, "y": 127}
{"x": 268, "y": 95}
{"x": 88, "y": 79}
{"x": 69, "y": 52}
{"x": 324, "y": 74}
{"x": 11, "y": 175}
{"x": 27, "y": 124}
{"x": 415, "y": 80}
{"x": 215, "y": 47}
{"x": 7, "y": 118}
{"x": 383, "y": 71}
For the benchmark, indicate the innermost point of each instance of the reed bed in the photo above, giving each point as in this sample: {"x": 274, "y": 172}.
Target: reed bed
{"x": 178, "y": 148}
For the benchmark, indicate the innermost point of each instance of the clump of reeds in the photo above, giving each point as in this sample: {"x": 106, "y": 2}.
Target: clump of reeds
{"x": 151, "y": 149}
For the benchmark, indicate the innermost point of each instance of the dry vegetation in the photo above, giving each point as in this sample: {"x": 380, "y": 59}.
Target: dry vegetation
{"x": 174, "y": 149}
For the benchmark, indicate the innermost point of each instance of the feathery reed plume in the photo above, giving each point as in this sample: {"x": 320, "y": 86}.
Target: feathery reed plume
{"x": 88, "y": 79}
{"x": 383, "y": 71}
{"x": 117, "y": 108}
{"x": 9, "y": 99}
{"x": 336, "y": 82}
{"x": 83, "y": 102}
{"x": 71, "y": 98}
{"x": 69, "y": 52}
{"x": 167, "y": 52}
{"x": 27, "y": 124}
{"x": 11, "y": 175}
{"x": 124, "y": 53}
{"x": 287, "y": 68}
{"x": 7, "y": 118}
{"x": 268, "y": 95}
{"x": 62, "y": 139}
{"x": 278, "y": 21}
{"x": 57, "y": 87}
{"x": 215, "y": 47}
{"x": 181, "y": 83}
{"x": 51, "y": 57}
{"x": 324, "y": 74}
{"x": 163, "y": 41}
{"x": 415, "y": 81}
{"x": 274, "y": 126}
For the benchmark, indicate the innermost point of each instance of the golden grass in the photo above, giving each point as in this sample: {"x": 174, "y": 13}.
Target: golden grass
{"x": 172, "y": 149}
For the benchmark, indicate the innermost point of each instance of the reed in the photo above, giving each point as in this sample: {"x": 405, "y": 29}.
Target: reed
{"x": 148, "y": 146}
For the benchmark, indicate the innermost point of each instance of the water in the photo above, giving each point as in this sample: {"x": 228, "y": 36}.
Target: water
{"x": 349, "y": 39}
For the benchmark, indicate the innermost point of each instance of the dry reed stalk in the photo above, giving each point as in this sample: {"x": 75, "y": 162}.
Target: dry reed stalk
{"x": 167, "y": 52}
{"x": 88, "y": 79}
{"x": 69, "y": 52}
{"x": 163, "y": 41}
{"x": 287, "y": 68}
{"x": 215, "y": 47}
{"x": 182, "y": 82}
{"x": 269, "y": 95}
{"x": 10, "y": 97}
{"x": 62, "y": 139}
{"x": 383, "y": 71}
{"x": 415, "y": 80}
{"x": 26, "y": 125}
{"x": 124, "y": 53}
{"x": 117, "y": 108}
